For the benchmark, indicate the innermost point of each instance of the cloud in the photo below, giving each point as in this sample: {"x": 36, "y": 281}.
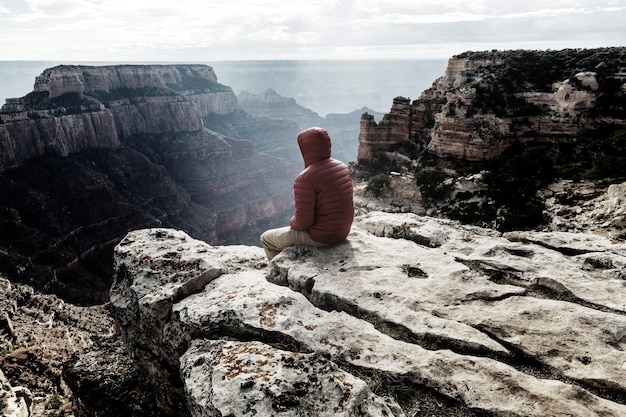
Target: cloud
{"x": 271, "y": 29}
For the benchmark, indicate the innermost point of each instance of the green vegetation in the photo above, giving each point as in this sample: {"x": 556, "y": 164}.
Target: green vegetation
{"x": 133, "y": 93}
{"x": 401, "y": 232}
{"x": 192, "y": 80}
{"x": 432, "y": 183}
{"x": 509, "y": 200}
{"x": 610, "y": 161}
{"x": 528, "y": 70}
{"x": 54, "y": 402}
{"x": 74, "y": 102}
{"x": 542, "y": 68}
{"x": 377, "y": 184}
{"x": 513, "y": 180}
{"x": 69, "y": 103}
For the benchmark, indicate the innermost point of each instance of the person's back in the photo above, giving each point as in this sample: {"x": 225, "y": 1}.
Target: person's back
{"x": 324, "y": 207}
{"x": 329, "y": 216}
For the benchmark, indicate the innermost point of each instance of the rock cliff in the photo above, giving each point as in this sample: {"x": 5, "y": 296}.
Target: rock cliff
{"x": 453, "y": 320}
{"x": 73, "y": 108}
{"x": 94, "y": 152}
{"x": 489, "y": 138}
{"x": 486, "y": 102}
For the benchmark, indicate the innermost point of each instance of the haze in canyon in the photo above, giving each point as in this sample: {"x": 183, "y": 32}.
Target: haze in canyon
{"x": 338, "y": 86}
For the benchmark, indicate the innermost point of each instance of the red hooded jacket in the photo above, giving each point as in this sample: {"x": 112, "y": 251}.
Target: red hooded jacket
{"x": 322, "y": 191}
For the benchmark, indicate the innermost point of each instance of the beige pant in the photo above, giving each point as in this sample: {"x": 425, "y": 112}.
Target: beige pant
{"x": 275, "y": 240}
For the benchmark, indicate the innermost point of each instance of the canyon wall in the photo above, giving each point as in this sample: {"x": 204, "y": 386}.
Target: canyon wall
{"x": 485, "y": 103}
{"x": 94, "y": 152}
{"x": 73, "y": 108}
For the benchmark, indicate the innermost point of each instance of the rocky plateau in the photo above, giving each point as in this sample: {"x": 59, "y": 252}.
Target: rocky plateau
{"x": 468, "y": 322}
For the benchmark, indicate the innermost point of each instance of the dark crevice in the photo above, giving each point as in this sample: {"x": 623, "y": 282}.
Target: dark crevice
{"x": 415, "y": 399}
{"x": 563, "y": 250}
{"x": 245, "y": 333}
{"x": 515, "y": 357}
{"x": 527, "y": 364}
{"x": 546, "y": 289}
{"x": 520, "y": 360}
{"x": 563, "y": 294}
{"x": 329, "y": 302}
{"x": 496, "y": 274}
{"x": 522, "y": 253}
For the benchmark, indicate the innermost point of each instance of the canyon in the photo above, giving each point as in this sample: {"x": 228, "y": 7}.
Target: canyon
{"x": 93, "y": 152}
{"x": 411, "y": 315}
{"x": 499, "y": 121}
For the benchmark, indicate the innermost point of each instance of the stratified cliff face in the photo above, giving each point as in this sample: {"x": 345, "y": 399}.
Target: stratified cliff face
{"x": 487, "y": 102}
{"x": 73, "y": 108}
{"x": 94, "y": 152}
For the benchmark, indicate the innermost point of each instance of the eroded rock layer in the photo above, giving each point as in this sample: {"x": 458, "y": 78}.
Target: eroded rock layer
{"x": 94, "y": 152}
{"x": 468, "y": 322}
{"x": 486, "y": 102}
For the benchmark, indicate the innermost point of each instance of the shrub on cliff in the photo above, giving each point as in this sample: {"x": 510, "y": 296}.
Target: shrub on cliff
{"x": 610, "y": 162}
{"x": 513, "y": 181}
{"x": 530, "y": 70}
{"x": 377, "y": 184}
{"x": 434, "y": 184}
{"x": 540, "y": 69}
{"x": 70, "y": 103}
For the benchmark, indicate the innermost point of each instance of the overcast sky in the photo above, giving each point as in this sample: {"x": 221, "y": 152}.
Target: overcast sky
{"x": 212, "y": 30}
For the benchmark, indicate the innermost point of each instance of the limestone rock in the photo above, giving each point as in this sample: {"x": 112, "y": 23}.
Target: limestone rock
{"x": 271, "y": 104}
{"x": 527, "y": 324}
{"x": 124, "y": 100}
{"x": 106, "y": 380}
{"x": 449, "y": 120}
{"x": 46, "y": 333}
{"x": 344, "y": 128}
{"x": 252, "y": 378}
{"x": 578, "y": 207}
{"x": 394, "y": 128}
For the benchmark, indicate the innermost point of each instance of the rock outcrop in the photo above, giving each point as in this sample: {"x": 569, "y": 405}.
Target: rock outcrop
{"x": 467, "y": 322}
{"x": 94, "y": 152}
{"x": 38, "y": 334}
{"x": 15, "y": 401}
{"x": 58, "y": 119}
{"x": 578, "y": 207}
{"x": 272, "y": 104}
{"x": 486, "y": 102}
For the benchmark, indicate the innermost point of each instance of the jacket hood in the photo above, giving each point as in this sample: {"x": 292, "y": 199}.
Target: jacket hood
{"x": 314, "y": 145}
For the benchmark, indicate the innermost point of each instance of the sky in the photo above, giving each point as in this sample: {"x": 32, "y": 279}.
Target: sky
{"x": 201, "y": 30}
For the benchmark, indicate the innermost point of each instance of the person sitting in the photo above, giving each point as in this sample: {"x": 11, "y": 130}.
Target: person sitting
{"x": 324, "y": 206}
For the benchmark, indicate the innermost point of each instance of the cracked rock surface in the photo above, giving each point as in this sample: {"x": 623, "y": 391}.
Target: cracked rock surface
{"x": 478, "y": 324}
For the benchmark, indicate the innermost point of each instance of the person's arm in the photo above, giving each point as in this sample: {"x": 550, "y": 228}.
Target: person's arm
{"x": 304, "y": 196}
